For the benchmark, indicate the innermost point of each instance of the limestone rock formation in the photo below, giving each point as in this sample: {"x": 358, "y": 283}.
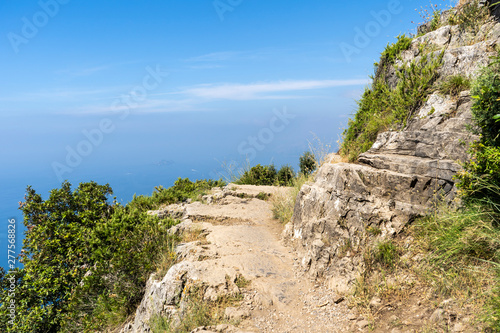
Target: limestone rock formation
{"x": 350, "y": 206}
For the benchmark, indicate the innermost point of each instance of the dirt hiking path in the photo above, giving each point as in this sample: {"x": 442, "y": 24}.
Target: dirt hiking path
{"x": 243, "y": 240}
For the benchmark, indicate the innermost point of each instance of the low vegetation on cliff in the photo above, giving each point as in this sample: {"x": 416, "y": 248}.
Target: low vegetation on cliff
{"x": 459, "y": 246}
{"x": 86, "y": 259}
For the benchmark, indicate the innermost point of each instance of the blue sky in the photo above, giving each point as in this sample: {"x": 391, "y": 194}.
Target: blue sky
{"x": 178, "y": 85}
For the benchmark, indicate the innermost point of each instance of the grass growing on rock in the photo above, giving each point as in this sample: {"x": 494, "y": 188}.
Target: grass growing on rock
{"x": 197, "y": 312}
{"x": 392, "y": 51}
{"x": 454, "y": 84}
{"x": 382, "y": 107}
{"x": 283, "y": 203}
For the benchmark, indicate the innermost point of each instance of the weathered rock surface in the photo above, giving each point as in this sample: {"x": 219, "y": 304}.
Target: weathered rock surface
{"x": 242, "y": 240}
{"x": 350, "y": 206}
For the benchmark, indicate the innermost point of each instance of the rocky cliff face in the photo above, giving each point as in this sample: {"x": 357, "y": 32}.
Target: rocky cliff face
{"x": 350, "y": 206}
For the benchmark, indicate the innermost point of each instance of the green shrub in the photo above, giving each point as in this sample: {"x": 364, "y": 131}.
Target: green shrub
{"x": 435, "y": 20}
{"x": 182, "y": 190}
{"x": 486, "y": 92}
{"x": 381, "y": 107}
{"x": 454, "y": 84}
{"x": 86, "y": 261}
{"x": 480, "y": 178}
{"x": 471, "y": 235}
{"x": 262, "y": 196}
{"x": 392, "y": 51}
{"x": 462, "y": 254}
{"x": 285, "y": 176}
{"x": 470, "y": 16}
{"x": 386, "y": 254}
{"x": 57, "y": 253}
{"x": 259, "y": 175}
{"x": 307, "y": 163}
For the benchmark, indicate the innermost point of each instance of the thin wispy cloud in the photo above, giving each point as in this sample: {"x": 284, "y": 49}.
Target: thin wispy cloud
{"x": 88, "y": 71}
{"x": 207, "y": 66}
{"x": 257, "y": 91}
{"x": 62, "y": 94}
{"x": 224, "y": 56}
{"x": 215, "y": 56}
{"x": 198, "y": 97}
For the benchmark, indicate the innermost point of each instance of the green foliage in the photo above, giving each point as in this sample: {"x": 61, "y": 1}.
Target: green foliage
{"x": 486, "y": 92}
{"x": 470, "y": 16}
{"x": 454, "y": 84}
{"x": 86, "y": 261}
{"x": 470, "y": 233}
{"x": 392, "y": 51}
{"x": 462, "y": 254}
{"x": 197, "y": 312}
{"x": 307, "y": 163}
{"x": 241, "y": 282}
{"x": 435, "y": 20}
{"x": 262, "y": 196}
{"x": 128, "y": 248}
{"x": 470, "y": 236}
{"x": 182, "y": 190}
{"x": 480, "y": 178}
{"x": 381, "y": 107}
{"x": 386, "y": 254}
{"x": 56, "y": 252}
{"x": 285, "y": 175}
{"x": 259, "y": 175}
{"x": 283, "y": 202}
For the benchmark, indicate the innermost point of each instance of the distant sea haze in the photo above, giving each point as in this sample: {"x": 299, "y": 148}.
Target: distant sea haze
{"x": 138, "y": 180}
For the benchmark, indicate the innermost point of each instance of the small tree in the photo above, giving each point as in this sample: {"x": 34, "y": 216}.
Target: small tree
{"x": 307, "y": 163}
{"x": 286, "y": 175}
{"x": 56, "y": 253}
{"x": 259, "y": 175}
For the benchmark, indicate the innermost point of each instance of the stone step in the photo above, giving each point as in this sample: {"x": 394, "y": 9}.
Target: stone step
{"x": 407, "y": 164}
{"x": 443, "y": 145}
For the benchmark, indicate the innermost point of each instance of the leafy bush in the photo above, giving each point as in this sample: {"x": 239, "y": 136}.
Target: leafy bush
{"x": 262, "y": 196}
{"x": 471, "y": 236}
{"x": 56, "y": 253}
{"x": 480, "y": 178}
{"x": 381, "y": 107}
{"x": 259, "y": 175}
{"x": 486, "y": 92}
{"x": 392, "y": 51}
{"x": 307, "y": 163}
{"x": 182, "y": 190}
{"x": 285, "y": 175}
{"x": 454, "y": 84}
{"x": 86, "y": 261}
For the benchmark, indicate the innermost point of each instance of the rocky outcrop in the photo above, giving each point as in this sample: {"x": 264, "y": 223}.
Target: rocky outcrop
{"x": 238, "y": 255}
{"x": 402, "y": 176}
